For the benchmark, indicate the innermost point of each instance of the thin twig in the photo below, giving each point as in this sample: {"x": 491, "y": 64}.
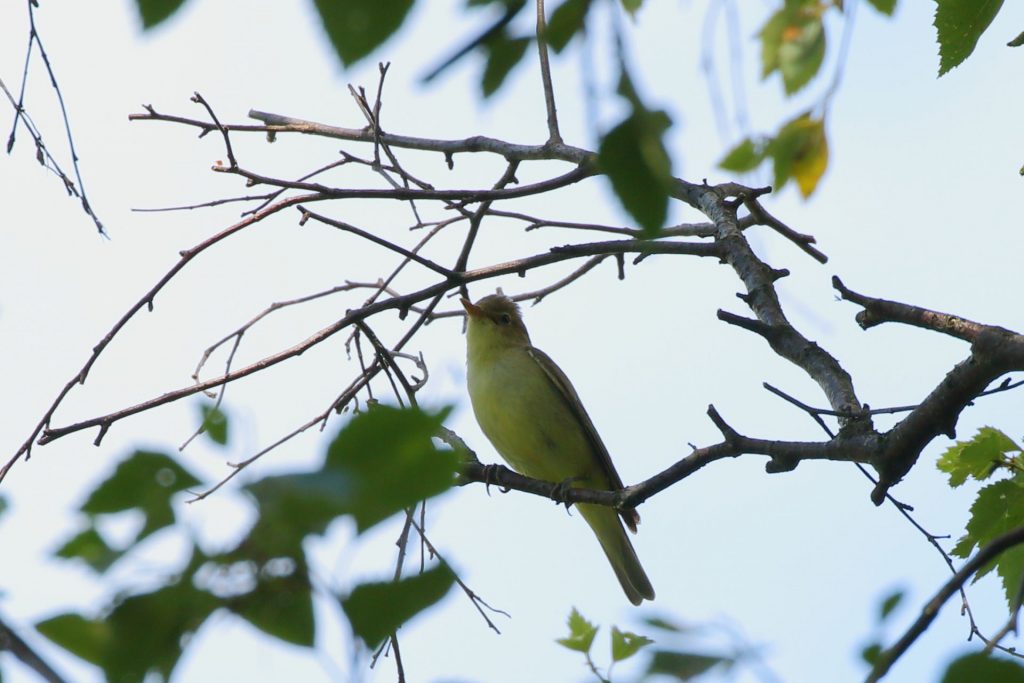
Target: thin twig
{"x": 43, "y": 154}
{"x": 13, "y": 643}
{"x": 370, "y": 237}
{"x": 478, "y": 602}
{"x": 277, "y": 123}
{"x": 554, "y": 137}
{"x": 905, "y": 510}
{"x": 145, "y": 302}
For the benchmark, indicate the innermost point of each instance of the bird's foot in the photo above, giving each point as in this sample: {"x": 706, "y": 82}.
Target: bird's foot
{"x": 491, "y": 477}
{"x": 561, "y": 491}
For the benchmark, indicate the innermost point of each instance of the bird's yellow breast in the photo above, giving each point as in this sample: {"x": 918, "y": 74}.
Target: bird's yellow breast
{"x": 524, "y": 415}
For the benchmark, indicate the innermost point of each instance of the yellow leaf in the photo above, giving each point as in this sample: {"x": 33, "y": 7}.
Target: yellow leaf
{"x": 811, "y": 161}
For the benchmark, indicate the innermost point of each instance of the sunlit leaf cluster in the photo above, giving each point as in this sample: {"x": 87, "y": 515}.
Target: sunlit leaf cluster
{"x": 999, "y": 506}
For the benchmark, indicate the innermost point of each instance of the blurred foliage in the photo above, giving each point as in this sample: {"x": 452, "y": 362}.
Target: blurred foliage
{"x": 567, "y": 20}
{"x": 376, "y": 610}
{"x": 886, "y": 608}
{"x": 685, "y": 652}
{"x": 998, "y": 507}
{"x": 358, "y": 27}
{"x": 793, "y": 43}
{"x": 215, "y": 423}
{"x": 799, "y": 152}
{"x": 154, "y": 12}
{"x": 980, "y": 667}
{"x": 581, "y": 633}
{"x": 503, "y": 53}
{"x": 381, "y": 463}
{"x": 681, "y": 652}
{"x": 633, "y": 156}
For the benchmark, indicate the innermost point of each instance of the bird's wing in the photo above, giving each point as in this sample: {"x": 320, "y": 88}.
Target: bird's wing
{"x": 575, "y": 406}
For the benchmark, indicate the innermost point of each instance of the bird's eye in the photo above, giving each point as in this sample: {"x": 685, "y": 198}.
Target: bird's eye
{"x": 505, "y": 319}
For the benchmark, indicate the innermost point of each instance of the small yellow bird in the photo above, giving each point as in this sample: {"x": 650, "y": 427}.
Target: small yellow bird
{"x": 529, "y": 410}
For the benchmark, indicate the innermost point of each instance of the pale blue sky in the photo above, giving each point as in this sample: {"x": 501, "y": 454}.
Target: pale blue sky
{"x": 917, "y": 205}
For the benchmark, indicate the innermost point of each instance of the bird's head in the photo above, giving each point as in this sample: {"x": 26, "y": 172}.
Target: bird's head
{"x": 494, "y": 322}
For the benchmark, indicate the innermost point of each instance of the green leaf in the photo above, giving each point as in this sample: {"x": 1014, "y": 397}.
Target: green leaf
{"x": 632, "y": 6}
{"x": 665, "y": 624}
{"x": 979, "y": 666}
{"x": 801, "y": 55}
{"x": 744, "y": 157}
{"x": 581, "y": 633}
{"x": 998, "y": 509}
{"x": 771, "y": 41}
{"x": 793, "y": 43}
{"x": 90, "y": 547}
{"x": 389, "y": 457}
{"x": 503, "y": 53}
{"x": 1010, "y": 567}
{"x": 152, "y": 12}
{"x": 280, "y": 605}
{"x": 566, "y": 21}
{"x": 633, "y": 156}
{"x": 3, "y": 505}
{"x": 143, "y": 633}
{"x": 150, "y": 630}
{"x": 890, "y": 603}
{"x": 86, "y": 638}
{"x": 145, "y": 481}
{"x": 376, "y": 610}
{"x": 886, "y": 7}
{"x": 357, "y": 27}
{"x": 959, "y": 24}
{"x": 215, "y": 423}
{"x": 626, "y": 644}
{"x": 293, "y": 506}
{"x": 1018, "y": 41}
{"x": 978, "y": 457}
{"x": 800, "y": 151}
{"x": 381, "y": 462}
{"x": 870, "y": 653}
{"x": 683, "y": 666}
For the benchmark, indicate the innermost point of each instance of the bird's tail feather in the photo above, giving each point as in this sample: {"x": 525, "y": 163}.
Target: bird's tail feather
{"x": 609, "y": 531}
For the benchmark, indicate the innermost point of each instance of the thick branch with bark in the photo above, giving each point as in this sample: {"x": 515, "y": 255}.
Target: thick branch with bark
{"x": 995, "y": 351}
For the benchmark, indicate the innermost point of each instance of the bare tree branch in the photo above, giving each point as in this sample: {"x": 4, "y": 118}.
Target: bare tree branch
{"x": 276, "y": 123}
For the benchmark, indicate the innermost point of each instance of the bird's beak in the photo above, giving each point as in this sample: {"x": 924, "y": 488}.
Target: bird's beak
{"x": 472, "y": 309}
